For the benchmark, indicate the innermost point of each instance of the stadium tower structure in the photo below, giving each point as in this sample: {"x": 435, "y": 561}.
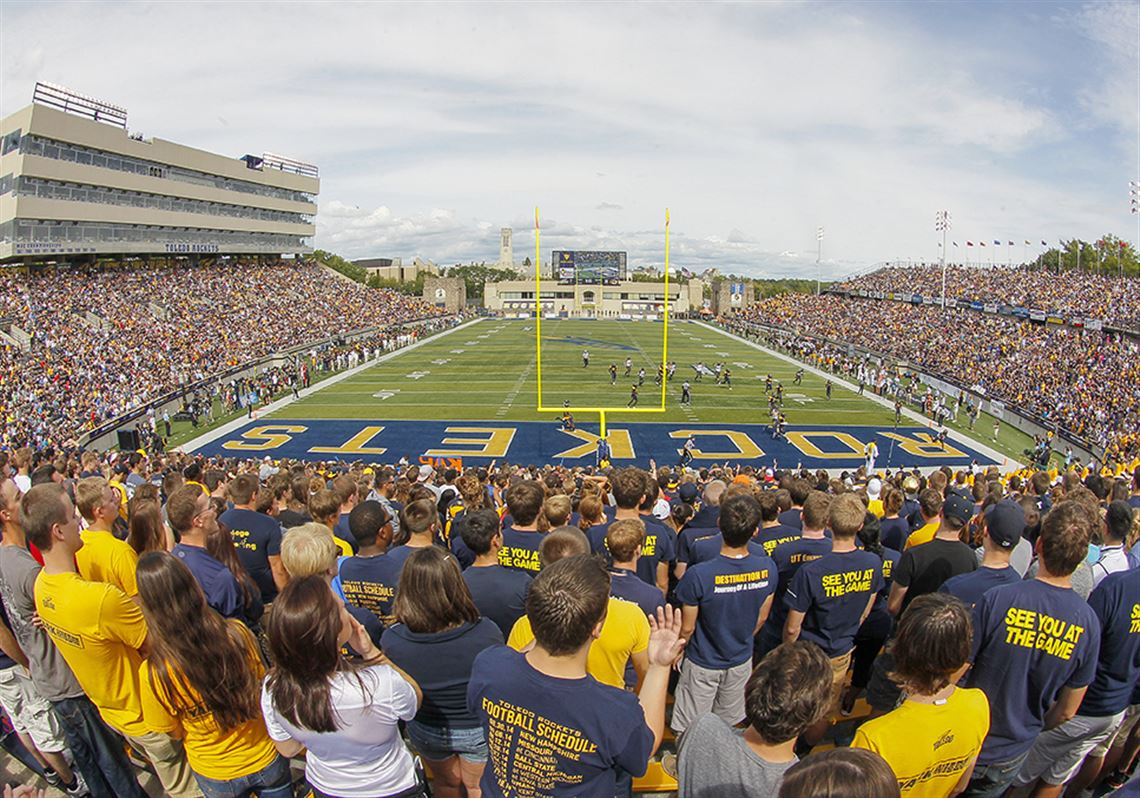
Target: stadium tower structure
{"x": 75, "y": 186}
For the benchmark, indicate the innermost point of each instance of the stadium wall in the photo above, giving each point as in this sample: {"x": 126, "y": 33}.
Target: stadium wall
{"x": 624, "y": 300}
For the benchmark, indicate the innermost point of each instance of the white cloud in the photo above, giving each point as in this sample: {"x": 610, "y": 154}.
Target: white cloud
{"x": 435, "y": 125}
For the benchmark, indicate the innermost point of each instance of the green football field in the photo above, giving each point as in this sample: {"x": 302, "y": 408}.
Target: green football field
{"x": 488, "y": 372}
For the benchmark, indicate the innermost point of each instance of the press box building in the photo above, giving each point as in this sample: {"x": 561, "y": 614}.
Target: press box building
{"x": 75, "y": 185}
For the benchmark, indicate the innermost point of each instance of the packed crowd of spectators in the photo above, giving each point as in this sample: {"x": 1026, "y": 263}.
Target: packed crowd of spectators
{"x": 1082, "y": 381}
{"x": 105, "y": 342}
{"x": 516, "y": 626}
{"x": 1112, "y": 299}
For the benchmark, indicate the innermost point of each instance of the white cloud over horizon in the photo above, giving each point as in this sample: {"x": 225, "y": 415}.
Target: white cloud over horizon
{"x": 436, "y": 124}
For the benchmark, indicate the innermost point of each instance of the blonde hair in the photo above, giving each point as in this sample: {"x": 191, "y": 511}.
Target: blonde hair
{"x": 89, "y": 495}
{"x": 308, "y": 550}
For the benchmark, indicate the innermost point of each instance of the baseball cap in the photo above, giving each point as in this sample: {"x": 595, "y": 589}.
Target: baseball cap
{"x": 688, "y": 492}
{"x": 958, "y": 506}
{"x": 1005, "y": 521}
{"x": 910, "y": 485}
{"x": 425, "y": 472}
{"x": 874, "y": 488}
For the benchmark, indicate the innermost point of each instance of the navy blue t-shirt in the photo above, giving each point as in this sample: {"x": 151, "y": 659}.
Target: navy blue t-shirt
{"x": 371, "y": 623}
{"x": 625, "y": 585}
{"x": 708, "y": 517}
{"x": 788, "y": 558}
{"x": 562, "y": 738}
{"x": 462, "y": 552}
{"x": 440, "y": 662}
{"x": 343, "y": 531}
{"x": 1116, "y": 602}
{"x": 499, "y": 593}
{"x": 833, "y": 593}
{"x": 893, "y": 533}
{"x": 690, "y": 534}
{"x": 772, "y": 536}
{"x": 659, "y": 546}
{"x": 1031, "y": 639}
{"x": 705, "y": 549}
{"x": 791, "y": 518}
{"x": 971, "y": 586}
{"x": 729, "y": 592}
{"x": 221, "y": 587}
{"x": 257, "y": 537}
{"x": 370, "y": 582}
{"x": 520, "y": 550}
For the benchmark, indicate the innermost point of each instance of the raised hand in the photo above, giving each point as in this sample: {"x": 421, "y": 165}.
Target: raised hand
{"x": 665, "y": 641}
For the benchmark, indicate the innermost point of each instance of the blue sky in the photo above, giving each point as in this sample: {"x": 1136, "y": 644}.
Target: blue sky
{"x": 436, "y": 124}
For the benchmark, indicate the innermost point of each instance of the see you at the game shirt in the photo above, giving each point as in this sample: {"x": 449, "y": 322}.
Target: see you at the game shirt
{"x": 1031, "y": 639}
{"x": 833, "y": 592}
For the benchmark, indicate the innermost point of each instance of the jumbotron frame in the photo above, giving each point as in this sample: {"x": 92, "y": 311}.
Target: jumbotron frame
{"x": 601, "y": 411}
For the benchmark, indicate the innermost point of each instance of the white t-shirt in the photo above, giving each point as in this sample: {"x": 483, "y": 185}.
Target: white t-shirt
{"x": 365, "y": 757}
{"x": 23, "y": 482}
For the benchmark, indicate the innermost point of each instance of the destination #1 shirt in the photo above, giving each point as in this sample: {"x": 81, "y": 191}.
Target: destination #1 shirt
{"x": 833, "y": 592}
{"x": 729, "y": 592}
{"x": 553, "y": 738}
{"x": 1031, "y": 639}
{"x": 520, "y": 550}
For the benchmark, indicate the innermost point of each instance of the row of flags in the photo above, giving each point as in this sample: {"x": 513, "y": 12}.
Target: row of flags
{"x": 997, "y": 243}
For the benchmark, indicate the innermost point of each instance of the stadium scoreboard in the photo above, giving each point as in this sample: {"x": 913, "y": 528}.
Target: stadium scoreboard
{"x": 587, "y": 267}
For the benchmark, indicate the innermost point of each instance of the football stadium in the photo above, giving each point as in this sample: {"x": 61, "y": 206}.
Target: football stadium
{"x": 605, "y": 517}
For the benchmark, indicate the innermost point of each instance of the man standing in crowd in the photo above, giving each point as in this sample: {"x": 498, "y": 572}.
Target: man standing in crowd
{"x": 369, "y": 578}
{"x": 499, "y": 593}
{"x": 597, "y": 731}
{"x": 1035, "y": 650}
{"x": 789, "y": 691}
{"x": 256, "y": 536}
{"x": 1001, "y": 532}
{"x": 521, "y": 539}
{"x": 829, "y": 598}
{"x": 789, "y": 558}
{"x": 97, "y": 750}
{"x": 192, "y": 517}
{"x": 103, "y": 557}
{"x": 724, "y": 602}
{"x": 100, "y": 632}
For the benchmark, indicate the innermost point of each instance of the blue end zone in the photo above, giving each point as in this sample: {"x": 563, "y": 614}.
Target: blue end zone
{"x": 536, "y": 442}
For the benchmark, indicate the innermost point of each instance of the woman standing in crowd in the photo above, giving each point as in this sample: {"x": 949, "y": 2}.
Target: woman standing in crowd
{"x": 345, "y": 716}
{"x": 436, "y": 638}
{"x": 211, "y": 701}
{"x": 840, "y": 773}
{"x": 147, "y": 531}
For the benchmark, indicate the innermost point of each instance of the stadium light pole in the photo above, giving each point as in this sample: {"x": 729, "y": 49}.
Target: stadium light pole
{"x": 818, "y": 256}
{"x": 1134, "y": 194}
{"x": 942, "y": 225}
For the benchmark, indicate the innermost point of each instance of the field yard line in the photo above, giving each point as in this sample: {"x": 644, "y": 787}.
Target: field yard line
{"x": 842, "y": 383}
{"x": 514, "y": 392}
{"x": 238, "y": 423}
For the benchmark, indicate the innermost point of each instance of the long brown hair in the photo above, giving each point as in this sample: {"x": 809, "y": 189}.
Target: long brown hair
{"x": 431, "y": 595}
{"x": 303, "y": 628}
{"x": 182, "y": 629}
{"x": 147, "y": 531}
{"x": 220, "y": 545}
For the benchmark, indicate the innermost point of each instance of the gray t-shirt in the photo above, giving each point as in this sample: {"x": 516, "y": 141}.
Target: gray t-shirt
{"x": 716, "y": 762}
{"x": 51, "y": 675}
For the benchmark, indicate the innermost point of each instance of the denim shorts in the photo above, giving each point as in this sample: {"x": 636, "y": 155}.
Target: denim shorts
{"x": 439, "y": 743}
